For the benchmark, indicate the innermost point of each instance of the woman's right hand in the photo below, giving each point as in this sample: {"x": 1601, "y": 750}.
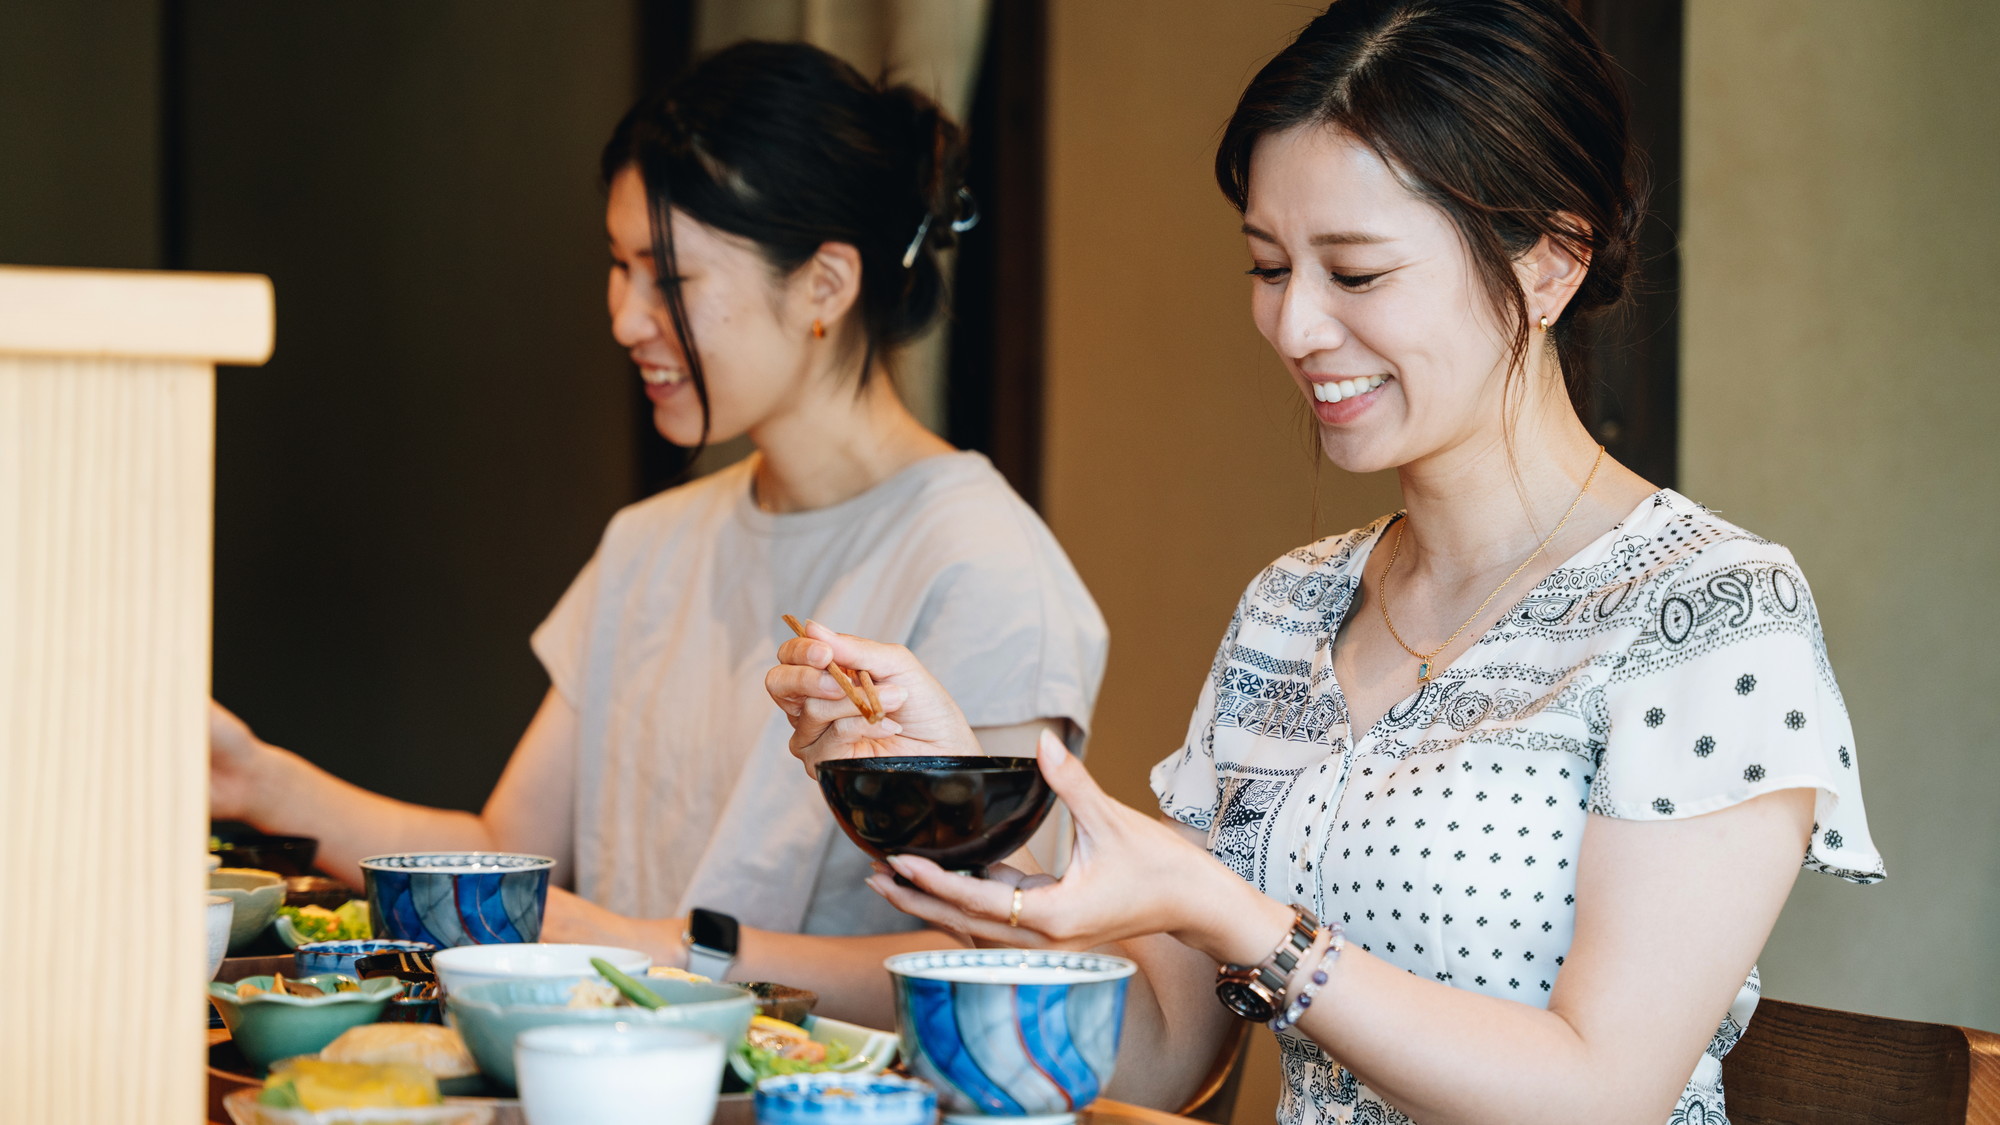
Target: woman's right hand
{"x": 234, "y": 755}
{"x": 922, "y": 720}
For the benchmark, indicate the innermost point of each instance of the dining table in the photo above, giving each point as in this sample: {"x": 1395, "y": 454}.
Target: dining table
{"x": 729, "y": 1110}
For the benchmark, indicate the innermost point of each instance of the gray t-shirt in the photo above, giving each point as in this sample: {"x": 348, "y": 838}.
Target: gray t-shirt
{"x": 686, "y": 792}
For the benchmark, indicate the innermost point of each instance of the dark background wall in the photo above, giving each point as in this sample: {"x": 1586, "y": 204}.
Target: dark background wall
{"x": 407, "y": 487}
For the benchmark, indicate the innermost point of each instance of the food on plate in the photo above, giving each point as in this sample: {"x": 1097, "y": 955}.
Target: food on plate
{"x": 594, "y": 994}
{"x": 439, "y": 1051}
{"x": 282, "y": 987}
{"x": 773, "y": 1047}
{"x": 316, "y": 1085}
{"x": 671, "y": 973}
{"x": 317, "y": 923}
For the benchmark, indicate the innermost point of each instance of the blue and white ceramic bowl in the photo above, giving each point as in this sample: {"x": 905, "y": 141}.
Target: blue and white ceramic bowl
{"x": 1020, "y": 1033}
{"x": 457, "y": 898}
{"x": 340, "y": 956}
{"x": 845, "y": 1099}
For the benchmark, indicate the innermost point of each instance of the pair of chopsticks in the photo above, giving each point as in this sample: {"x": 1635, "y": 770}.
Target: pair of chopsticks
{"x": 862, "y": 695}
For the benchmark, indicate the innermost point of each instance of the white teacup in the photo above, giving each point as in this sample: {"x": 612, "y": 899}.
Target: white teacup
{"x": 617, "y": 1074}
{"x": 221, "y": 913}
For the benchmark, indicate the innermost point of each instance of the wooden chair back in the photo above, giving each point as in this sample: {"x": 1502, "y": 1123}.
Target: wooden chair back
{"x": 1798, "y": 1065}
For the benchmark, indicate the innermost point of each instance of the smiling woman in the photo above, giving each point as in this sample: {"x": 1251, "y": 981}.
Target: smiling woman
{"x": 1499, "y": 815}
{"x": 774, "y": 220}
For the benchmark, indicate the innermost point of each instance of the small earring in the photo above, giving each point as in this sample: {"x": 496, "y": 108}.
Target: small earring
{"x": 819, "y": 330}
{"x": 1545, "y": 324}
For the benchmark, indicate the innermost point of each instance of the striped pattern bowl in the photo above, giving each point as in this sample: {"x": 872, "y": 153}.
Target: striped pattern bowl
{"x": 1018, "y": 1033}
{"x": 457, "y": 898}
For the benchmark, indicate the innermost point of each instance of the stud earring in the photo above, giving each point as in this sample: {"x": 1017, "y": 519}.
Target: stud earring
{"x": 1545, "y": 324}
{"x": 819, "y": 330}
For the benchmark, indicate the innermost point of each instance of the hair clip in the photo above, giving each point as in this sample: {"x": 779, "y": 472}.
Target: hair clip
{"x": 968, "y": 212}
{"x": 968, "y": 217}
{"x": 910, "y": 255}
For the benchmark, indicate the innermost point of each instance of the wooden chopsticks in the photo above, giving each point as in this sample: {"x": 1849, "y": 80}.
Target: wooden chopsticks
{"x": 862, "y": 695}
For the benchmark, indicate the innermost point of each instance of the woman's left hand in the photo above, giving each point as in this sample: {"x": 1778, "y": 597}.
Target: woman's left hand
{"x": 1130, "y": 875}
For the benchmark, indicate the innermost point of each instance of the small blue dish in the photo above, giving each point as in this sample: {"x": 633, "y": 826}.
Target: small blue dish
{"x": 340, "y": 956}
{"x": 1020, "y": 1033}
{"x": 845, "y": 1099}
{"x": 457, "y": 898}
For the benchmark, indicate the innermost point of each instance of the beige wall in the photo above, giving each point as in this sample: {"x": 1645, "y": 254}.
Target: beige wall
{"x": 1841, "y": 395}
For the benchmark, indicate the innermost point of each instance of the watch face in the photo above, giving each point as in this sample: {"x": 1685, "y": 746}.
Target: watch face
{"x": 712, "y": 929}
{"x": 1245, "y": 998}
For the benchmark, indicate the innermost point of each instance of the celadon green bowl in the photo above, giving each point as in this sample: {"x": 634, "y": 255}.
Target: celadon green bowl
{"x": 490, "y": 1014}
{"x": 268, "y": 1027}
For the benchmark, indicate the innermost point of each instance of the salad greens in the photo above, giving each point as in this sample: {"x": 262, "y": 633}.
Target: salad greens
{"x": 317, "y": 923}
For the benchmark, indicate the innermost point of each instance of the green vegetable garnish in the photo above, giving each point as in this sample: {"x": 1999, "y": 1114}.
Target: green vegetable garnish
{"x": 631, "y": 989}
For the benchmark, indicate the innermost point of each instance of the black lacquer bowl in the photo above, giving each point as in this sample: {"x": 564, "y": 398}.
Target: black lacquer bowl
{"x": 961, "y": 813}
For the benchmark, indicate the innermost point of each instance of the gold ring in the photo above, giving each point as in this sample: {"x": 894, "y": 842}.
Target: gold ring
{"x": 1014, "y": 915}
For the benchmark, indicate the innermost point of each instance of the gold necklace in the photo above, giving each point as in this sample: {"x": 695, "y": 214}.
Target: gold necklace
{"x": 1424, "y": 659}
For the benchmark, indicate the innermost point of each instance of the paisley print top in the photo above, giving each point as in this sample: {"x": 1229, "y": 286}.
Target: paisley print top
{"x": 1671, "y": 668}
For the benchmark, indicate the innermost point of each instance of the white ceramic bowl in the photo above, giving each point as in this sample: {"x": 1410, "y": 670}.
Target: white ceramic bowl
{"x": 220, "y": 914}
{"x": 467, "y": 965}
{"x": 618, "y": 1074}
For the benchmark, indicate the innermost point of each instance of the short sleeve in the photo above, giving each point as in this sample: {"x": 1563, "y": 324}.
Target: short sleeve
{"x": 1186, "y": 782}
{"x": 1726, "y": 695}
{"x": 1015, "y": 637}
{"x": 562, "y": 641}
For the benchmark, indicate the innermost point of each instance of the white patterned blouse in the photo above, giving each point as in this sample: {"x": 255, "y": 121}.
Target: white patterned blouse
{"x": 1671, "y": 668}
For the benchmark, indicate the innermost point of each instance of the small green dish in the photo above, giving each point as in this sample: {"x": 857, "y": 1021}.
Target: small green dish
{"x": 268, "y": 1027}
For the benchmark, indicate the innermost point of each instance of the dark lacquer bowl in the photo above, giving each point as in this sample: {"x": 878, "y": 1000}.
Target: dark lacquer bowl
{"x": 961, "y": 813}
{"x": 285, "y": 855}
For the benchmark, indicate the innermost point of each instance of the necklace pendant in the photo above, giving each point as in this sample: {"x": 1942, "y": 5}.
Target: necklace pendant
{"x": 1424, "y": 672}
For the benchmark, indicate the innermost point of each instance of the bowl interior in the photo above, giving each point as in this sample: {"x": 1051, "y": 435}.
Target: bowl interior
{"x": 243, "y": 879}
{"x": 458, "y": 863}
{"x": 374, "y": 990}
{"x": 962, "y": 813}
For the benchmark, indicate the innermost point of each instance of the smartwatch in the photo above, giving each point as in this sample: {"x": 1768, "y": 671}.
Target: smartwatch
{"x": 711, "y": 940}
{"x": 1257, "y": 992}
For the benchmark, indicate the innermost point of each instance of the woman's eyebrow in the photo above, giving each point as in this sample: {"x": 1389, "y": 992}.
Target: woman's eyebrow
{"x": 1332, "y": 238}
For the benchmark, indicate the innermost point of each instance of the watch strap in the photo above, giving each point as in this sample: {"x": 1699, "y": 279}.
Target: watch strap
{"x": 711, "y": 963}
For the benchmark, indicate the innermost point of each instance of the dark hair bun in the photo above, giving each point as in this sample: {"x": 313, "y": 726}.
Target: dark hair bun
{"x": 789, "y": 147}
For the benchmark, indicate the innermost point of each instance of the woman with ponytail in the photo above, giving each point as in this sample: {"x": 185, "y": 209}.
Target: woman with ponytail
{"x": 774, "y": 224}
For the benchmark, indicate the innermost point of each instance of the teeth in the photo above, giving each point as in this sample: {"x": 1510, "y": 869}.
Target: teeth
{"x": 662, "y": 377}
{"x": 1346, "y": 388}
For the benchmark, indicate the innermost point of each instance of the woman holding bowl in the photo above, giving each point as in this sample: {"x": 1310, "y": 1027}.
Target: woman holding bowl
{"x": 774, "y": 224}
{"x": 1496, "y": 799}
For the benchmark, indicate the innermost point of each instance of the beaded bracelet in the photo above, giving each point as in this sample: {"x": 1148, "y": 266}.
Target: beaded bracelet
{"x": 1296, "y": 1010}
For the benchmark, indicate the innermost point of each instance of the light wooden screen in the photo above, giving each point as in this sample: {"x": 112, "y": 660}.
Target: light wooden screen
{"x": 107, "y": 440}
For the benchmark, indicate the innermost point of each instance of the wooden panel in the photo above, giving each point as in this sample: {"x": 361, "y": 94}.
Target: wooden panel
{"x": 1982, "y": 1087}
{"x": 106, "y": 492}
{"x": 1803, "y": 1064}
{"x": 211, "y": 317}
